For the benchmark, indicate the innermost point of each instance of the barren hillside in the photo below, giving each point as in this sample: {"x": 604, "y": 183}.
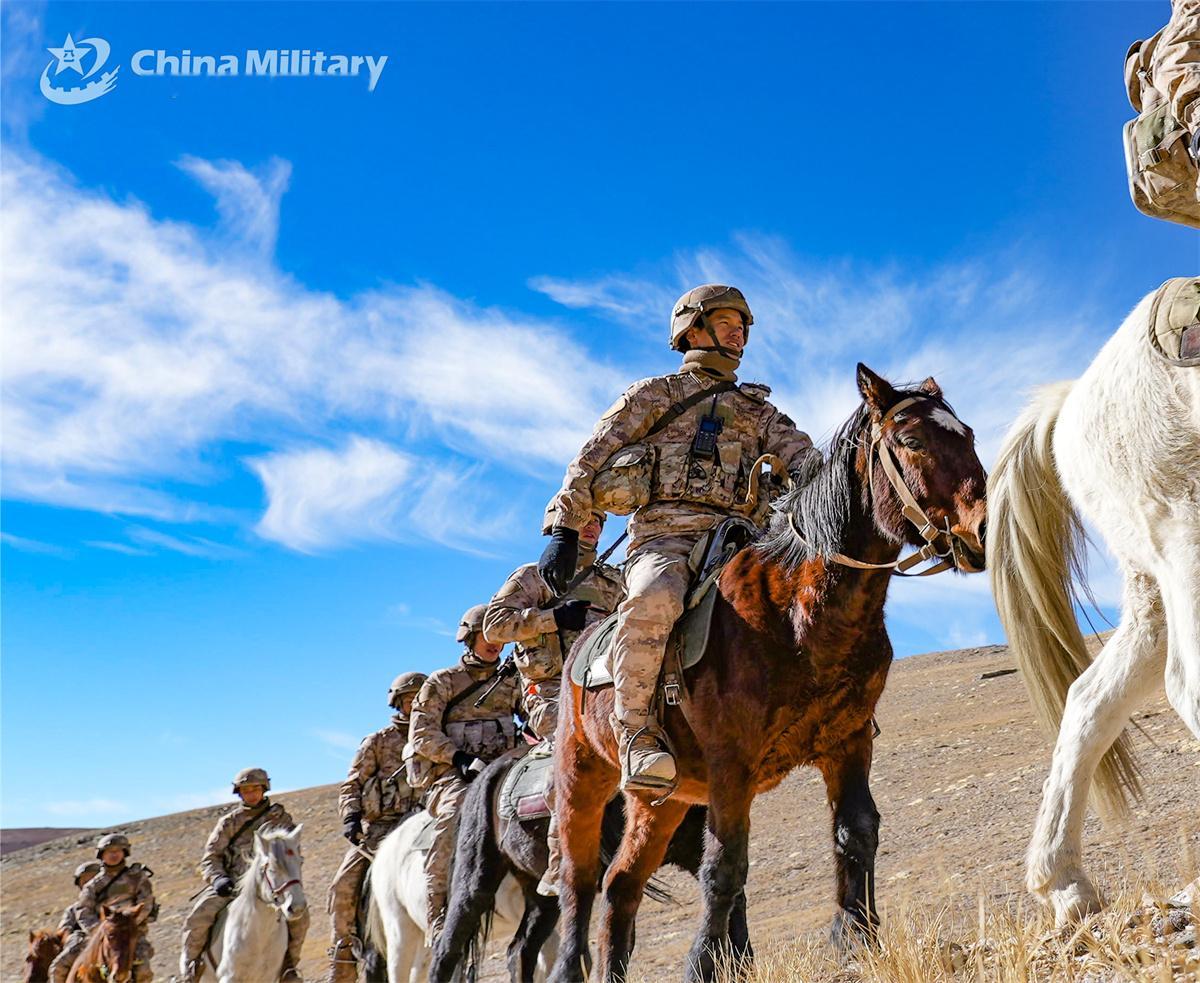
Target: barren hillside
{"x": 958, "y": 771}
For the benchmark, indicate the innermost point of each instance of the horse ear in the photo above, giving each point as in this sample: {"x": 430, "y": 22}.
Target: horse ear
{"x": 295, "y": 834}
{"x": 31, "y": 935}
{"x": 876, "y": 391}
{"x": 931, "y": 387}
{"x": 105, "y": 912}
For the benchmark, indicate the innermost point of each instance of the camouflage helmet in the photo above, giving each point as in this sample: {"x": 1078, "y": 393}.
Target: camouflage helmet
{"x": 91, "y": 867}
{"x": 252, "y": 776}
{"x": 699, "y": 301}
{"x": 471, "y": 622}
{"x": 110, "y": 840}
{"x": 406, "y": 682}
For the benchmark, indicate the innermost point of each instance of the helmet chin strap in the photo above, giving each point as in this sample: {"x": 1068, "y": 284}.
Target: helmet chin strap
{"x": 716, "y": 344}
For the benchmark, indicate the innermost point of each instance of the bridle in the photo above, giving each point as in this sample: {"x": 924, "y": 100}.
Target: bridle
{"x": 277, "y": 892}
{"x": 910, "y": 507}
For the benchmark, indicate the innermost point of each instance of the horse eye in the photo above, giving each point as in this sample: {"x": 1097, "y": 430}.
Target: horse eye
{"x": 911, "y": 442}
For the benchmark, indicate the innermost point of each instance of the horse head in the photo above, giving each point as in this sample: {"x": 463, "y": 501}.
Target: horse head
{"x": 44, "y": 947}
{"x": 279, "y": 879}
{"x": 926, "y": 481}
{"x": 118, "y": 930}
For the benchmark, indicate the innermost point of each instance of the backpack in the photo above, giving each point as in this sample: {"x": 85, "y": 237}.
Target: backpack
{"x": 1164, "y": 179}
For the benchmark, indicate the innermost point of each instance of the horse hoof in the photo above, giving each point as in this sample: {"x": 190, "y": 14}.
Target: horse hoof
{"x": 1073, "y": 903}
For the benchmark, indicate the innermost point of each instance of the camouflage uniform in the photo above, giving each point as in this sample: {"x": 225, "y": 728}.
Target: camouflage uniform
{"x": 377, "y": 792}
{"x": 1166, "y": 68}
{"x": 73, "y": 935}
{"x": 523, "y": 612}
{"x": 126, "y": 886}
{"x": 688, "y": 496}
{"x": 484, "y": 732}
{"x": 229, "y": 853}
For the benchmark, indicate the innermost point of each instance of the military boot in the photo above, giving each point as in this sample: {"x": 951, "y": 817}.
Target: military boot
{"x": 547, "y": 887}
{"x": 343, "y": 967}
{"x": 645, "y": 761}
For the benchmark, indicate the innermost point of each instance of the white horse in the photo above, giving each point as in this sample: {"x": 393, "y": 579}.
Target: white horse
{"x": 396, "y": 914}
{"x": 250, "y": 936}
{"x": 1121, "y": 445}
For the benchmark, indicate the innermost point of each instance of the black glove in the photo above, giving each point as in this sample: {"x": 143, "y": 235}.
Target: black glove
{"x": 557, "y": 565}
{"x": 223, "y": 886}
{"x": 463, "y": 762}
{"x": 571, "y": 615}
{"x": 352, "y": 828}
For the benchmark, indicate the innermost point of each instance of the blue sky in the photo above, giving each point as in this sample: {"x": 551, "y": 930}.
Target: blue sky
{"x": 291, "y": 367}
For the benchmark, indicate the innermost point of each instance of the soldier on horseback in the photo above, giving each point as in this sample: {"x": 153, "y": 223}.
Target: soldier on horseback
{"x": 451, "y": 738}
{"x": 544, "y": 626}
{"x": 227, "y": 855}
{"x": 372, "y": 801}
{"x": 693, "y": 439}
{"x": 73, "y": 934}
{"x": 118, "y": 884}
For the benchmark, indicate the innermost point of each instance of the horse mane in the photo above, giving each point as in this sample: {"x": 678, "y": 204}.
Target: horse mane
{"x": 821, "y": 498}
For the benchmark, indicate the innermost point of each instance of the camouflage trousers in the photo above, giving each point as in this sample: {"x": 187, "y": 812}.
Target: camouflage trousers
{"x": 60, "y": 969}
{"x": 443, "y": 800}
{"x": 541, "y": 705}
{"x": 346, "y": 889}
{"x": 656, "y": 580}
{"x": 199, "y": 922}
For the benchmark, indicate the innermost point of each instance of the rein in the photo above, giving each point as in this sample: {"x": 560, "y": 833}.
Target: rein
{"x": 277, "y": 891}
{"x": 910, "y": 508}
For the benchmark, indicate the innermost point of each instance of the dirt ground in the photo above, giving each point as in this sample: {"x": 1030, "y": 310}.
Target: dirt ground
{"x": 957, "y": 776}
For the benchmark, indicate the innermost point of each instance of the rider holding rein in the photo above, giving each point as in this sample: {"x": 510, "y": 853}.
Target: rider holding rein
{"x": 691, "y": 440}
{"x": 228, "y": 854}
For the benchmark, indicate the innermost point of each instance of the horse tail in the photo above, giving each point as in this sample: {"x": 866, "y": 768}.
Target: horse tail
{"x": 374, "y": 936}
{"x": 1035, "y": 552}
{"x": 477, "y": 871}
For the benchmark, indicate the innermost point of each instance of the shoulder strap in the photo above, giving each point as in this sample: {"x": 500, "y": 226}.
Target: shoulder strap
{"x": 245, "y": 826}
{"x": 676, "y": 410}
{"x": 464, "y": 695}
{"x": 103, "y": 892}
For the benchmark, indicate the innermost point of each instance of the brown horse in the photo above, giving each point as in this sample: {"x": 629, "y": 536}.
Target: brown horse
{"x": 796, "y": 661}
{"x": 44, "y": 947}
{"x": 109, "y": 953}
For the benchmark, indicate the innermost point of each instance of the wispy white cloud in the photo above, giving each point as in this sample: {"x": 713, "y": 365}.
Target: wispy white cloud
{"x": 320, "y": 497}
{"x": 247, "y": 202}
{"x": 187, "y": 545}
{"x": 31, "y": 545}
{"x": 87, "y": 809}
{"x": 104, "y": 544}
{"x": 133, "y": 353}
{"x": 337, "y": 739}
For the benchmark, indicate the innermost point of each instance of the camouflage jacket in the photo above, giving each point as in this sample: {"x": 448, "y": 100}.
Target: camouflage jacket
{"x": 376, "y": 787}
{"x": 127, "y": 886}
{"x": 687, "y": 496}
{"x": 230, "y": 846}
{"x": 69, "y": 922}
{"x": 522, "y": 612}
{"x": 1167, "y": 66}
{"x": 485, "y": 732}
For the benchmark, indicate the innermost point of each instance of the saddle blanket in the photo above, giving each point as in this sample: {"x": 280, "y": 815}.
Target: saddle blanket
{"x": 523, "y": 791}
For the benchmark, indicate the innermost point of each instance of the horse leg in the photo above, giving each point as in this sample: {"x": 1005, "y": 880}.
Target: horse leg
{"x": 1180, "y": 583}
{"x": 855, "y": 838}
{"x": 583, "y": 783}
{"x": 739, "y": 932}
{"x": 723, "y": 873}
{"x": 648, "y": 832}
{"x": 537, "y": 924}
{"x": 1098, "y": 706}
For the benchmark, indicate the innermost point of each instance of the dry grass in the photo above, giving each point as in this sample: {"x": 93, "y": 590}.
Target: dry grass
{"x": 1140, "y": 936}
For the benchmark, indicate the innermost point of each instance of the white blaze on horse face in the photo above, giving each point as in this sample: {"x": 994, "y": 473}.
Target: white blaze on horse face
{"x": 947, "y": 420}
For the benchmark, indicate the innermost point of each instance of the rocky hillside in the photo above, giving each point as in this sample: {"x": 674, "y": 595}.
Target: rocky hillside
{"x": 958, "y": 772}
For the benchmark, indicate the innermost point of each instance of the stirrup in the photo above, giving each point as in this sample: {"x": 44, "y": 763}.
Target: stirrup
{"x": 667, "y": 786}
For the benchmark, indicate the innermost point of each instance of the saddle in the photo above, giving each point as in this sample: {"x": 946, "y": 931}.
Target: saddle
{"x": 1175, "y": 321}
{"x": 591, "y": 667}
{"x": 523, "y": 793}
